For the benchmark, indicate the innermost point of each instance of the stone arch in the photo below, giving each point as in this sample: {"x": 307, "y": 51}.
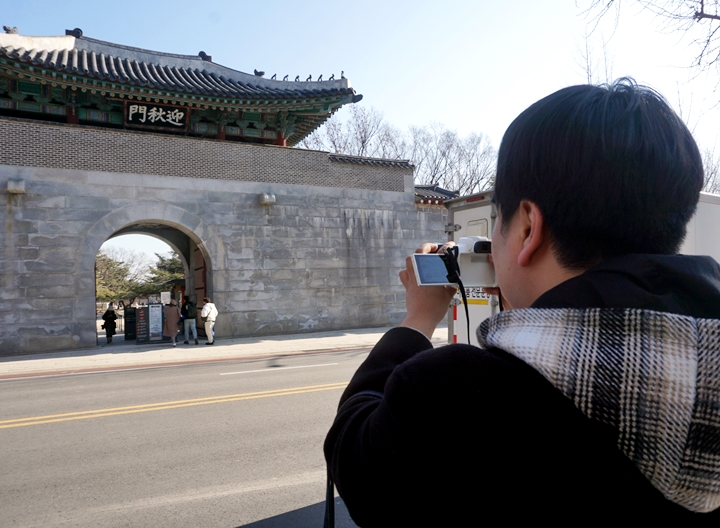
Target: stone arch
{"x": 168, "y": 215}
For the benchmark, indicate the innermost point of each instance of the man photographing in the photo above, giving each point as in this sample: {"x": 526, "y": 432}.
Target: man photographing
{"x": 597, "y": 396}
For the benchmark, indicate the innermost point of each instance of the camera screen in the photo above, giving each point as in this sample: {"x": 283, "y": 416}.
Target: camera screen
{"x": 430, "y": 269}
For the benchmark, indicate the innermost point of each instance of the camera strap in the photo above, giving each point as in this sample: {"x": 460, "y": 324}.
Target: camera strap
{"x": 451, "y": 263}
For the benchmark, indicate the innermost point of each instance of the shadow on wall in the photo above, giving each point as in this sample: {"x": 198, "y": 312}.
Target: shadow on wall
{"x": 308, "y": 517}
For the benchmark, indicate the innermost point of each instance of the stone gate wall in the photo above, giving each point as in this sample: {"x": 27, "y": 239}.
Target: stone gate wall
{"x": 325, "y": 256}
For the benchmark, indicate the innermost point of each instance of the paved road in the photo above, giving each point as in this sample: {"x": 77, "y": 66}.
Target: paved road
{"x": 228, "y": 444}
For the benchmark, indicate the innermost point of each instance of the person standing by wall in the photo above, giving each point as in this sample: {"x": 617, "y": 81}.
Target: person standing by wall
{"x": 172, "y": 316}
{"x": 188, "y": 310}
{"x": 109, "y": 317}
{"x": 209, "y": 313}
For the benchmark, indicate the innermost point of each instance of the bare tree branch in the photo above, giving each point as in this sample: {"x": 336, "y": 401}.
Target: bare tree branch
{"x": 440, "y": 155}
{"x": 697, "y": 20}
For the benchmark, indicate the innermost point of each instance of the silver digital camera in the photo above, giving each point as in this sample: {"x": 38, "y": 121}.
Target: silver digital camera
{"x": 467, "y": 261}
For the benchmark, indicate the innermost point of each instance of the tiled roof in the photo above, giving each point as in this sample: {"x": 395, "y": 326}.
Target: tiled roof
{"x": 434, "y": 192}
{"x": 106, "y": 61}
{"x": 341, "y": 158}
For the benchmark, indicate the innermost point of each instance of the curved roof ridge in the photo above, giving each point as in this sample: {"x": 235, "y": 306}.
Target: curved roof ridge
{"x": 134, "y": 49}
{"x": 90, "y": 57}
{"x": 366, "y": 160}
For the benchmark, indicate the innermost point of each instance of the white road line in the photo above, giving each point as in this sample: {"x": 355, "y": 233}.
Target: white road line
{"x": 276, "y": 368}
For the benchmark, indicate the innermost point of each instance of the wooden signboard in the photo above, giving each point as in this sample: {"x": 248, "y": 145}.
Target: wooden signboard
{"x": 140, "y": 114}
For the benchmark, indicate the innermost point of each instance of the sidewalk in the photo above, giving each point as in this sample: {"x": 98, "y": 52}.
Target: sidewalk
{"x": 127, "y": 356}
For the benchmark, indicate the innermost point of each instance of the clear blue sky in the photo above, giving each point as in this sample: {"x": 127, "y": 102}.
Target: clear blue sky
{"x": 472, "y": 65}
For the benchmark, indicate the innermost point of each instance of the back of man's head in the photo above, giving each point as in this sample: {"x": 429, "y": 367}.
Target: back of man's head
{"x": 612, "y": 168}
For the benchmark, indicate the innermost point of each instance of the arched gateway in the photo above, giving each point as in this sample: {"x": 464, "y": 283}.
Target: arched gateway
{"x": 187, "y": 234}
{"x": 100, "y": 139}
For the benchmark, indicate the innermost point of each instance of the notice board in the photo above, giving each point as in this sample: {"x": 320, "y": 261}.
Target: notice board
{"x": 149, "y": 323}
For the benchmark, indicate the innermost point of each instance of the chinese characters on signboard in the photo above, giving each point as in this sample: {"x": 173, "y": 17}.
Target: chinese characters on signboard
{"x": 151, "y": 115}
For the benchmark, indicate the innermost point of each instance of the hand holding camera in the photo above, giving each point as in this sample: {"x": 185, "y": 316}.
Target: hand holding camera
{"x": 468, "y": 263}
{"x": 426, "y": 306}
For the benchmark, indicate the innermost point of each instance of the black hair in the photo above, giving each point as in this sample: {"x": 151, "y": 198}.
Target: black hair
{"x": 186, "y": 298}
{"x": 612, "y": 168}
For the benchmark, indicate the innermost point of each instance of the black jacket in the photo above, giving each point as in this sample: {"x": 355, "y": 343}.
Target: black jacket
{"x": 459, "y": 436}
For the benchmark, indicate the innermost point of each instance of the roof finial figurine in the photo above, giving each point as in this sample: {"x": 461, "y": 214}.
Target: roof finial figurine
{"x": 204, "y": 56}
{"x": 285, "y": 78}
{"x": 274, "y": 77}
{"x": 297, "y": 78}
{"x": 332, "y": 77}
{"x": 309, "y": 78}
{"x": 10, "y": 30}
{"x": 342, "y": 74}
{"x": 259, "y": 73}
{"x": 320, "y": 78}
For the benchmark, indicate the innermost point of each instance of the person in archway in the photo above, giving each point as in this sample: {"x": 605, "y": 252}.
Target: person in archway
{"x": 172, "y": 317}
{"x": 109, "y": 317}
{"x": 209, "y": 313}
{"x": 188, "y": 310}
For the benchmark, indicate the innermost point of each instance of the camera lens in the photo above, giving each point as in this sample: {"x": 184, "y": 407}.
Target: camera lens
{"x": 482, "y": 247}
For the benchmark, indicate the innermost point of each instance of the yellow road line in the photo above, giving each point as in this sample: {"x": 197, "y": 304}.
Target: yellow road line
{"x": 98, "y": 413}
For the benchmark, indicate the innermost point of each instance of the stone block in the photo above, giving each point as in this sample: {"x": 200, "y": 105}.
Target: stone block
{"x": 47, "y": 202}
{"x": 54, "y": 188}
{"x": 40, "y": 344}
{"x": 83, "y": 308}
{"x": 274, "y": 249}
{"x": 45, "y": 279}
{"x": 32, "y": 213}
{"x": 21, "y": 227}
{"x": 286, "y": 274}
{"x": 242, "y": 264}
{"x": 244, "y": 286}
{"x": 244, "y": 275}
{"x": 300, "y": 200}
{"x": 275, "y": 221}
{"x": 28, "y": 253}
{"x": 191, "y": 220}
{"x": 224, "y": 208}
{"x": 286, "y": 211}
{"x": 43, "y": 266}
{"x": 238, "y": 250}
{"x": 67, "y": 241}
{"x": 78, "y": 215}
{"x": 259, "y": 295}
{"x": 49, "y": 330}
{"x": 261, "y": 316}
{"x": 50, "y": 291}
{"x": 65, "y": 227}
{"x": 291, "y": 284}
{"x": 11, "y": 346}
{"x": 59, "y": 307}
{"x": 57, "y": 252}
{"x": 259, "y": 220}
{"x": 273, "y": 264}
{"x": 21, "y": 239}
{"x": 248, "y": 306}
{"x": 101, "y": 203}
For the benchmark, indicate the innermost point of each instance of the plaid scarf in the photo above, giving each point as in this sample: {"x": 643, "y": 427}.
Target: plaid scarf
{"x": 654, "y": 377}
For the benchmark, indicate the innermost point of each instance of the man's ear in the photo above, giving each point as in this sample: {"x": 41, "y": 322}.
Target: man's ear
{"x": 533, "y": 226}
